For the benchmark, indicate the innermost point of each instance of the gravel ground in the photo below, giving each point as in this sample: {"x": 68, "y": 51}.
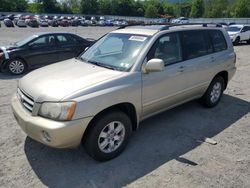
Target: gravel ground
{"x": 167, "y": 151}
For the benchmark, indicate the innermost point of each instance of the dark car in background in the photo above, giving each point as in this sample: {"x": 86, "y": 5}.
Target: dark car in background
{"x": 33, "y": 23}
{"x": 53, "y": 23}
{"x": 8, "y": 23}
{"x": 41, "y": 49}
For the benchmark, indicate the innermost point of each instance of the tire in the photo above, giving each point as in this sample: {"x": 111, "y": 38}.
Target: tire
{"x": 16, "y": 66}
{"x": 237, "y": 41}
{"x": 214, "y": 92}
{"x": 102, "y": 142}
{"x": 248, "y": 41}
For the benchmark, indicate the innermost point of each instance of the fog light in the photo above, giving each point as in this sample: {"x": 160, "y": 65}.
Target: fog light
{"x": 46, "y": 136}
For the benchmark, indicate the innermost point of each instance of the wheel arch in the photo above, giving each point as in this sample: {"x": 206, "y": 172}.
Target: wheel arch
{"x": 5, "y": 64}
{"x": 128, "y": 108}
{"x": 224, "y": 75}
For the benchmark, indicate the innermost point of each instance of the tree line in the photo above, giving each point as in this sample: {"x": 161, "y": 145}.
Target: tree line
{"x": 147, "y": 8}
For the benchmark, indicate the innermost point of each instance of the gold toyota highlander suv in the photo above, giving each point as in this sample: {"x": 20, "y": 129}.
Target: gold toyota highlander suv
{"x": 128, "y": 75}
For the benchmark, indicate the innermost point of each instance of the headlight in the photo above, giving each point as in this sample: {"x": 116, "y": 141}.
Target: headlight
{"x": 62, "y": 111}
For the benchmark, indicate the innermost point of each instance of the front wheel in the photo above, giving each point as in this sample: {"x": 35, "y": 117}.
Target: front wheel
{"x": 108, "y": 136}
{"x": 237, "y": 41}
{"x": 17, "y": 66}
{"x": 214, "y": 92}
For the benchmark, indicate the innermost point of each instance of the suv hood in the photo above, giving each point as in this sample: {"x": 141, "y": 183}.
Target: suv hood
{"x": 54, "y": 82}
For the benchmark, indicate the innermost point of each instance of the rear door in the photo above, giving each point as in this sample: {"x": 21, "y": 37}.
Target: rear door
{"x": 221, "y": 55}
{"x": 67, "y": 46}
{"x": 42, "y": 51}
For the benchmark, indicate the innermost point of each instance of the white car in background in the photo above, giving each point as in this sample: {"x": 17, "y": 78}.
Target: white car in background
{"x": 180, "y": 20}
{"x": 239, "y": 33}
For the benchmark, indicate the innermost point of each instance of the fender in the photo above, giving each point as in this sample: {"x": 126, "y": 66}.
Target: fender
{"x": 6, "y": 55}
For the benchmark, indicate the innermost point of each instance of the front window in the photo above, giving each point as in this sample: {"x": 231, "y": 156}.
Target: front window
{"x": 25, "y": 41}
{"x": 116, "y": 51}
{"x": 234, "y": 29}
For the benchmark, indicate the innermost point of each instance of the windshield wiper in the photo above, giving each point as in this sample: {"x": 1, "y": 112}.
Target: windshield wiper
{"x": 102, "y": 65}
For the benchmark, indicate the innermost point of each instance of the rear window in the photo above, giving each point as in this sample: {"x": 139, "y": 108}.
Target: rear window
{"x": 218, "y": 40}
{"x": 194, "y": 44}
{"x": 66, "y": 39}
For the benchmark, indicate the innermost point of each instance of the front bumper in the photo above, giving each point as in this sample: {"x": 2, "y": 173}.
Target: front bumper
{"x": 232, "y": 37}
{"x": 62, "y": 134}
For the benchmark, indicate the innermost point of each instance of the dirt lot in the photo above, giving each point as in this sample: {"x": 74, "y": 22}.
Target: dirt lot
{"x": 165, "y": 152}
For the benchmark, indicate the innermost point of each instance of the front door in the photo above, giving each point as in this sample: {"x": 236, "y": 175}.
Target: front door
{"x": 42, "y": 51}
{"x": 183, "y": 76}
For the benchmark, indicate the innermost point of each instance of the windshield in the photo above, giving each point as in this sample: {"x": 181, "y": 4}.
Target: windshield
{"x": 116, "y": 51}
{"x": 234, "y": 29}
{"x": 25, "y": 41}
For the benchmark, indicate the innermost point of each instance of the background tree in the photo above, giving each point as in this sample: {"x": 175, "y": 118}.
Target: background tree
{"x": 35, "y": 8}
{"x": 13, "y": 5}
{"x": 216, "y": 8}
{"x": 197, "y": 9}
{"x": 169, "y": 9}
{"x": 242, "y": 8}
{"x": 105, "y": 7}
{"x": 89, "y": 6}
{"x": 151, "y": 12}
{"x": 71, "y": 6}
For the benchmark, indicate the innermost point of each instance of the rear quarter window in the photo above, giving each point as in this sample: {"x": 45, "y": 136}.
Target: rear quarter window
{"x": 218, "y": 40}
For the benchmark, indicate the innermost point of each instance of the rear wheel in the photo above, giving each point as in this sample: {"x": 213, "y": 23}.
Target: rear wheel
{"x": 214, "y": 92}
{"x": 17, "y": 66}
{"x": 108, "y": 136}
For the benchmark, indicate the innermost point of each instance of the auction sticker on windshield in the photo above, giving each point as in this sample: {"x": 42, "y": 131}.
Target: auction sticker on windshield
{"x": 138, "y": 38}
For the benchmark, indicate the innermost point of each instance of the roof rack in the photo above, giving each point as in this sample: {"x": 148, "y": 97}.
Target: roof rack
{"x": 167, "y": 26}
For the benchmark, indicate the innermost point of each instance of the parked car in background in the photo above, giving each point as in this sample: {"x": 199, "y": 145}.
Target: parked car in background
{"x": 21, "y": 23}
{"x": 75, "y": 22}
{"x": 180, "y": 20}
{"x": 8, "y": 23}
{"x": 127, "y": 76}
{"x": 239, "y": 33}
{"x": 2, "y": 17}
{"x": 10, "y": 16}
{"x": 41, "y": 49}
{"x": 32, "y": 22}
{"x": 101, "y": 23}
{"x": 231, "y": 23}
{"x": 224, "y": 25}
{"x": 53, "y": 23}
{"x": 109, "y": 23}
{"x": 64, "y": 23}
{"x": 84, "y": 23}
{"x": 43, "y": 23}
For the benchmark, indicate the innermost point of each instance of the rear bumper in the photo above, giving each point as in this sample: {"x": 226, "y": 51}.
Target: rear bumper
{"x": 66, "y": 134}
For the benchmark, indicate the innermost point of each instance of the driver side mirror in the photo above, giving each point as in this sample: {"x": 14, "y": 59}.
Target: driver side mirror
{"x": 154, "y": 65}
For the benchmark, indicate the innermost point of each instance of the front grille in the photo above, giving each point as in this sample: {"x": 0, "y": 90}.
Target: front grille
{"x": 25, "y": 100}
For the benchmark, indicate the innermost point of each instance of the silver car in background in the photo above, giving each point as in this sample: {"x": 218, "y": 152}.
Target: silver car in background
{"x": 127, "y": 76}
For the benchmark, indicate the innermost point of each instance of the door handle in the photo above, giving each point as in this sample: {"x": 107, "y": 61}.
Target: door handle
{"x": 181, "y": 69}
{"x": 213, "y": 59}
